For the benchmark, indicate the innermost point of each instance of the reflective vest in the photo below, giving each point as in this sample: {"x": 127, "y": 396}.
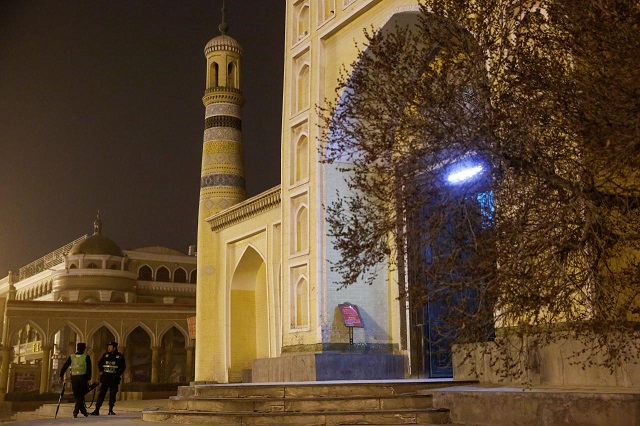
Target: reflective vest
{"x": 78, "y": 364}
{"x": 110, "y": 367}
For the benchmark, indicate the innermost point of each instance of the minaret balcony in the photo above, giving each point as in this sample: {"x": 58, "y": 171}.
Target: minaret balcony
{"x": 223, "y": 94}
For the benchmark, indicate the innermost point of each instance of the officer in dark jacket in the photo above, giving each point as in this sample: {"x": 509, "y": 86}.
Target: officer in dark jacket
{"x": 111, "y": 367}
{"x": 80, "y": 364}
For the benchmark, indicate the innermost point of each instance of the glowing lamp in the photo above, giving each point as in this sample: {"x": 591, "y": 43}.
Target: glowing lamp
{"x": 463, "y": 175}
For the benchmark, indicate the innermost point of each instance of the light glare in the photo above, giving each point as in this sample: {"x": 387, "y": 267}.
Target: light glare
{"x": 464, "y": 174}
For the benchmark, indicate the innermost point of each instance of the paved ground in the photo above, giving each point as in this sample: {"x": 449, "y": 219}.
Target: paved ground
{"x": 128, "y": 414}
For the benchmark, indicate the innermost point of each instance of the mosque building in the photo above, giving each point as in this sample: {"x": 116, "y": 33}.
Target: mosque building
{"x": 92, "y": 291}
{"x": 268, "y": 307}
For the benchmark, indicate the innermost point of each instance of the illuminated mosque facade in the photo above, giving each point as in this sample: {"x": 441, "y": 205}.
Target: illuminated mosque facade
{"x": 267, "y": 302}
{"x": 268, "y": 306}
{"x": 92, "y": 291}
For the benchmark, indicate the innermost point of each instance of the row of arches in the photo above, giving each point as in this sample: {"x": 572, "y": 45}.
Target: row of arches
{"x": 231, "y": 77}
{"x": 35, "y": 292}
{"x": 162, "y": 274}
{"x": 163, "y": 357}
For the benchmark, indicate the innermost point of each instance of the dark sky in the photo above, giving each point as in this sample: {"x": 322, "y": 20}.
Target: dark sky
{"x": 100, "y": 107}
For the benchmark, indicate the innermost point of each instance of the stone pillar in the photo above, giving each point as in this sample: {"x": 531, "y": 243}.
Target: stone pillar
{"x": 155, "y": 364}
{"x": 45, "y": 369}
{"x": 4, "y": 375}
{"x": 95, "y": 373}
{"x": 189, "y": 367}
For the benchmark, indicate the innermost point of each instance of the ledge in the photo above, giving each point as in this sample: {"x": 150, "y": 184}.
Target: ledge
{"x": 246, "y": 209}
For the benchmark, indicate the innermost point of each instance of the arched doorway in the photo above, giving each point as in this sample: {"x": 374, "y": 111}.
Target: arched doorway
{"x": 173, "y": 357}
{"x": 248, "y": 316}
{"x": 98, "y": 346}
{"x": 64, "y": 344}
{"x": 436, "y": 113}
{"x": 138, "y": 355}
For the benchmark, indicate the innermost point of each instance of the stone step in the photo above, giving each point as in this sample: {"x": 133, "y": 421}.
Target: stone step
{"x": 311, "y": 389}
{"x": 66, "y": 410}
{"x": 317, "y": 404}
{"x": 310, "y": 418}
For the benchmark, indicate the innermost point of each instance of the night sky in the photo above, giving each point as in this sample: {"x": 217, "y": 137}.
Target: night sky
{"x": 100, "y": 108}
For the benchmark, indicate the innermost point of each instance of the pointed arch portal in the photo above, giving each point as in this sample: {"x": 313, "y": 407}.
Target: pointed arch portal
{"x": 248, "y": 316}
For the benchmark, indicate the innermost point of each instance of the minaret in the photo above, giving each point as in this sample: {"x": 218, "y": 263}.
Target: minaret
{"x": 222, "y": 172}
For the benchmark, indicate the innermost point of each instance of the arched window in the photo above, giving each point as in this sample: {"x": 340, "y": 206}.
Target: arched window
{"x": 92, "y": 266}
{"x": 180, "y": 276}
{"x": 302, "y": 89}
{"x": 302, "y": 158}
{"x": 163, "y": 275}
{"x": 327, "y": 10}
{"x": 214, "y": 73}
{"x": 145, "y": 274}
{"x": 303, "y": 22}
{"x": 300, "y": 305}
{"x": 302, "y": 230}
{"x": 72, "y": 266}
{"x": 194, "y": 276}
{"x": 231, "y": 75}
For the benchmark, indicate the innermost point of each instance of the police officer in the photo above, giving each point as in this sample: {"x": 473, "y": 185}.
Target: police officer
{"x": 111, "y": 366}
{"x": 80, "y": 364}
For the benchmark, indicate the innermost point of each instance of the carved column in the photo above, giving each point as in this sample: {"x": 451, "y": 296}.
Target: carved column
{"x": 4, "y": 375}
{"x": 189, "y": 366}
{"x": 155, "y": 364}
{"x": 45, "y": 369}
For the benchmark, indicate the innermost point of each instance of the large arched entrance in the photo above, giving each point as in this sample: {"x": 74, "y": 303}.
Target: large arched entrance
{"x": 173, "y": 357}
{"x": 138, "y": 355}
{"x": 402, "y": 147}
{"x": 248, "y": 315}
{"x": 98, "y": 346}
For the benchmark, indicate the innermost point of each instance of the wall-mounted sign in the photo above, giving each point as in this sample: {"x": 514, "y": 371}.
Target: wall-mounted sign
{"x": 350, "y": 315}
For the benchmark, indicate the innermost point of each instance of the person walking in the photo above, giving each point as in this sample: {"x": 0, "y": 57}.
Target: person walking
{"x": 80, "y": 364}
{"x": 111, "y": 366}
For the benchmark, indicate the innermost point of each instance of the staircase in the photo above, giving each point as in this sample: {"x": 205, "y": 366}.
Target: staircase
{"x": 306, "y": 403}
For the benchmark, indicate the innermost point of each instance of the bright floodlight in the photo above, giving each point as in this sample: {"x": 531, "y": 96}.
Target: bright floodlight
{"x": 463, "y": 175}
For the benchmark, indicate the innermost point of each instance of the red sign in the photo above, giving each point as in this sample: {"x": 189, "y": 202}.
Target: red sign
{"x": 191, "y": 324}
{"x": 350, "y": 315}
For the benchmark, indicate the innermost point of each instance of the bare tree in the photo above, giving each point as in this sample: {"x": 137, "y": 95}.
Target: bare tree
{"x": 541, "y": 100}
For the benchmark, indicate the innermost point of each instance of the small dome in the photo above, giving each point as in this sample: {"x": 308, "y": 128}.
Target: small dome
{"x": 222, "y": 42}
{"x": 97, "y": 244}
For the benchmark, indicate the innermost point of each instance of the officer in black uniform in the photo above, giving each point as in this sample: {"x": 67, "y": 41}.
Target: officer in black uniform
{"x": 111, "y": 366}
{"x": 80, "y": 364}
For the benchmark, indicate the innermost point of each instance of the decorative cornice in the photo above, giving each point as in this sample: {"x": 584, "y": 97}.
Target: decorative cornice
{"x": 161, "y": 287}
{"x": 249, "y": 208}
{"x": 223, "y": 94}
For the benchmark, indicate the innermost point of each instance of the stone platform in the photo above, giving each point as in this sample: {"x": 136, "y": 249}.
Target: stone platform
{"x": 382, "y": 402}
{"x": 541, "y": 406}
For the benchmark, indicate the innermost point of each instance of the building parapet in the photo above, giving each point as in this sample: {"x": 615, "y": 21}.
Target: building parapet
{"x": 48, "y": 260}
{"x": 246, "y": 209}
{"x": 157, "y": 286}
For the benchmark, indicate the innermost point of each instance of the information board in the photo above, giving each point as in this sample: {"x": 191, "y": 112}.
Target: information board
{"x": 350, "y": 315}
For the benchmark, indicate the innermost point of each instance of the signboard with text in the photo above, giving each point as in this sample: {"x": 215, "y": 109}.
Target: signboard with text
{"x": 350, "y": 315}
